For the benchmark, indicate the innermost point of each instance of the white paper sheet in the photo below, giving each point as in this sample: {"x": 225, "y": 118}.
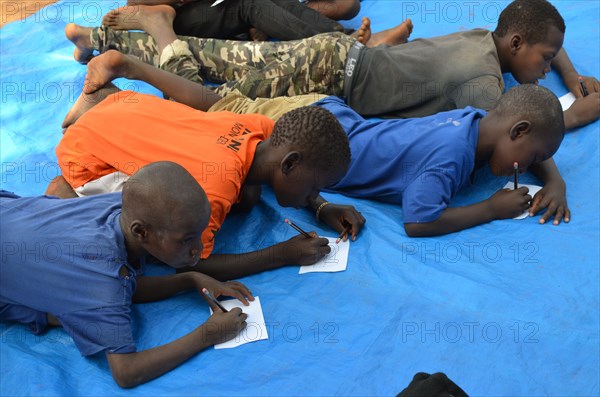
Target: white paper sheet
{"x": 533, "y": 189}
{"x": 335, "y": 261}
{"x": 256, "y": 328}
{"x": 566, "y": 100}
{"x": 216, "y": 3}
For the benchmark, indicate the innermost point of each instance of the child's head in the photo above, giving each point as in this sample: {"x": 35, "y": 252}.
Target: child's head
{"x": 530, "y": 127}
{"x": 313, "y": 153}
{"x": 532, "y": 33}
{"x": 164, "y": 213}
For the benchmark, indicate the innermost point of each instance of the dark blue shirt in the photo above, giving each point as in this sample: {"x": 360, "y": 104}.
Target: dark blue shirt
{"x": 420, "y": 163}
{"x": 65, "y": 257}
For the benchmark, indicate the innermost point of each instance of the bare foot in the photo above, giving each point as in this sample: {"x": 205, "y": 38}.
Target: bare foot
{"x": 139, "y": 17}
{"x": 105, "y": 68}
{"x": 87, "y": 101}
{"x": 363, "y": 34}
{"x": 80, "y": 36}
{"x": 394, "y": 36}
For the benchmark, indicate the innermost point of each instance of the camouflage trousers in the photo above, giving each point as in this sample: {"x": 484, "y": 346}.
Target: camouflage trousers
{"x": 256, "y": 69}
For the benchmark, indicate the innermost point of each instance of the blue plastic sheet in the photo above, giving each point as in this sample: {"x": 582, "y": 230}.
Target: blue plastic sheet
{"x": 506, "y": 308}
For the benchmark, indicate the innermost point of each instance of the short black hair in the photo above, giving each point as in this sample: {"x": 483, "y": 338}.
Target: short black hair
{"x": 317, "y": 134}
{"x": 536, "y": 104}
{"x": 530, "y": 18}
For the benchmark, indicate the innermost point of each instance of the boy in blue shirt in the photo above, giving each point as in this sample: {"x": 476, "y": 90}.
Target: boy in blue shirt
{"x": 77, "y": 264}
{"x": 423, "y": 163}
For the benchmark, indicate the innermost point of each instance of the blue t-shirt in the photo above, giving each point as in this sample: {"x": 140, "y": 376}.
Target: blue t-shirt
{"x": 420, "y": 163}
{"x": 64, "y": 257}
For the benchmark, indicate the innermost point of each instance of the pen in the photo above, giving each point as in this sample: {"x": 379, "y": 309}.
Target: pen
{"x": 584, "y": 90}
{"x": 342, "y": 235}
{"x": 516, "y": 170}
{"x": 297, "y": 228}
{"x": 212, "y": 298}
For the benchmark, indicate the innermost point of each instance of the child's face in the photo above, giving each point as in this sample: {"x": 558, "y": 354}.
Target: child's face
{"x": 532, "y": 62}
{"x": 179, "y": 245}
{"x": 526, "y": 151}
{"x": 295, "y": 188}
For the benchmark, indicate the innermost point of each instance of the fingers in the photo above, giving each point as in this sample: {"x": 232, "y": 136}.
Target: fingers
{"x": 536, "y": 204}
{"x": 354, "y": 221}
{"x": 239, "y": 291}
{"x": 567, "y": 215}
{"x": 592, "y": 84}
{"x": 523, "y": 190}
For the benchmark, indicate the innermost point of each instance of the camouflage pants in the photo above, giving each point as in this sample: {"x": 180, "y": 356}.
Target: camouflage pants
{"x": 256, "y": 69}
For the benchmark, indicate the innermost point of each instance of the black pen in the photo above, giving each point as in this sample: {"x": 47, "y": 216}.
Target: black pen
{"x": 297, "y": 228}
{"x": 516, "y": 169}
{"x": 212, "y": 298}
{"x": 584, "y": 90}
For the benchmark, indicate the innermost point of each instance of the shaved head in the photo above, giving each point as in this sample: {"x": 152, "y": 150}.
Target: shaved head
{"x": 164, "y": 195}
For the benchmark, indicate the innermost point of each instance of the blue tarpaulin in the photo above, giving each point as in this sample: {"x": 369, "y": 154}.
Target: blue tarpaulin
{"x": 506, "y": 308}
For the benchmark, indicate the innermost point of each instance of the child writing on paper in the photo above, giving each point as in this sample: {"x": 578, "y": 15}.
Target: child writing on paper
{"x": 90, "y": 256}
{"x": 415, "y": 79}
{"x": 230, "y": 155}
{"x": 423, "y": 163}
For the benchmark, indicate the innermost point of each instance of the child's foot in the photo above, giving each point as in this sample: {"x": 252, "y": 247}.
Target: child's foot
{"x": 140, "y": 17}
{"x": 394, "y": 36}
{"x": 363, "y": 34}
{"x": 105, "y": 68}
{"x": 85, "y": 102}
{"x": 80, "y": 36}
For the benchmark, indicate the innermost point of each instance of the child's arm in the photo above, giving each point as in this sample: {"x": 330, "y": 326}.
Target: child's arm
{"x": 112, "y": 64}
{"x": 152, "y": 289}
{"x": 553, "y": 196}
{"x": 503, "y": 204}
{"x": 585, "y": 110}
{"x": 565, "y": 68}
{"x": 132, "y": 369}
{"x": 299, "y": 250}
{"x": 337, "y": 216}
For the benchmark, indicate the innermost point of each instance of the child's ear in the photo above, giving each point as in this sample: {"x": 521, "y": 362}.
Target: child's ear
{"x": 290, "y": 161}
{"x": 516, "y": 42}
{"x": 520, "y": 129}
{"x": 139, "y": 230}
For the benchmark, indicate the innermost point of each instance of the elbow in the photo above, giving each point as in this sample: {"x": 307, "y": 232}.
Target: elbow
{"x": 417, "y": 230}
{"x": 124, "y": 375}
{"x": 126, "y": 380}
{"x": 411, "y": 229}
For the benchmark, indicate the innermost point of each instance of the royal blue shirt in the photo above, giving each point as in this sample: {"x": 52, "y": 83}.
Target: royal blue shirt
{"x": 420, "y": 163}
{"x": 65, "y": 257}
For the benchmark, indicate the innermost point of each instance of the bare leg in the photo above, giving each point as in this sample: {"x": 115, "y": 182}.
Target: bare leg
{"x": 112, "y": 64}
{"x": 394, "y": 36}
{"x": 80, "y": 36}
{"x": 157, "y": 21}
{"x": 87, "y": 101}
